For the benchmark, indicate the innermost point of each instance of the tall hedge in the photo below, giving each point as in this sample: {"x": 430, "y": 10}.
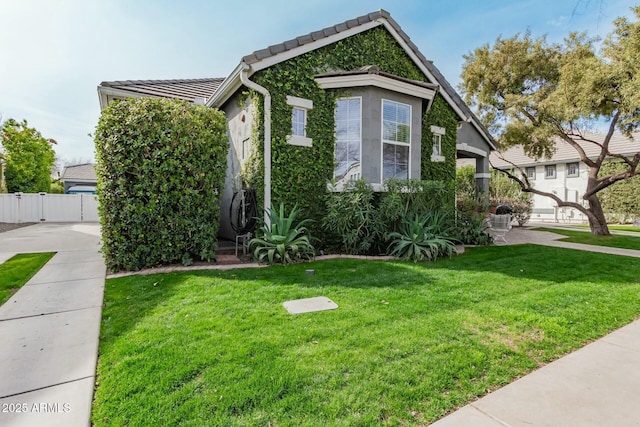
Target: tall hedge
{"x": 161, "y": 166}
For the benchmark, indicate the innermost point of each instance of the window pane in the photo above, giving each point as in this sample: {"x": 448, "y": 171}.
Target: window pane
{"x": 348, "y": 138}
{"x": 396, "y": 122}
{"x": 297, "y": 121}
{"x": 395, "y": 161}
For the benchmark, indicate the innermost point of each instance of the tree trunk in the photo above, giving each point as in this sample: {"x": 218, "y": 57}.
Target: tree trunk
{"x": 597, "y": 221}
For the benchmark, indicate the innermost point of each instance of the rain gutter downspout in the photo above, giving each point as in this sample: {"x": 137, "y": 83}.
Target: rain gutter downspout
{"x": 244, "y": 78}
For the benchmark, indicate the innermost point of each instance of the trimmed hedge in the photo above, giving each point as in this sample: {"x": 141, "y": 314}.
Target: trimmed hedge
{"x": 161, "y": 166}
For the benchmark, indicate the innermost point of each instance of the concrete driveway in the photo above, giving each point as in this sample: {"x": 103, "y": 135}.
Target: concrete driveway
{"x": 49, "y": 330}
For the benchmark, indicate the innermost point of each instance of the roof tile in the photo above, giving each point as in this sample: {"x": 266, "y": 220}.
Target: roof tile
{"x": 341, "y": 27}
{"x": 291, "y": 44}
{"x": 330, "y": 31}
{"x": 352, "y": 23}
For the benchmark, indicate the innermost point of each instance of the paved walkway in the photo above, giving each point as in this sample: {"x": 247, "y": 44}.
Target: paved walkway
{"x": 598, "y": 385}
{"x": 49, "y": 330}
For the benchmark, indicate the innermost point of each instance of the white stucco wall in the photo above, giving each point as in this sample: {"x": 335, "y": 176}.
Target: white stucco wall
{"x": 568, "y": 188}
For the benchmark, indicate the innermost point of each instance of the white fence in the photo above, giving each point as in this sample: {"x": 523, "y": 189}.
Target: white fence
{"x": 41, "y": 207}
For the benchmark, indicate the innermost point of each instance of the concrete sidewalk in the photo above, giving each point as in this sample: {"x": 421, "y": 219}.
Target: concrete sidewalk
{"x": 597, "y": 385}
{"x": 49, "y": 330}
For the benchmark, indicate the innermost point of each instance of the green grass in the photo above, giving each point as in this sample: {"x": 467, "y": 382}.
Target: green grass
{"x": 408, "y": 344}
{"x": 17, "y": 271}
{"x": 613, "y": 240}
{"x": 616, "y": 227}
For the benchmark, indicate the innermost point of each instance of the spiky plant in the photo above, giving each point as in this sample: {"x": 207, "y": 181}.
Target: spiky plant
{"x": 283, "y": 241}
{"x": 422, "y": 238}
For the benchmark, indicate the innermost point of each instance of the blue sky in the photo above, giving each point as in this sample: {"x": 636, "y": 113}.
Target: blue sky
{"x": 53, "y": 54}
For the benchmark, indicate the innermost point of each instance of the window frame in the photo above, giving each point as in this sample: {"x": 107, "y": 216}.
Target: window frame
{"x": 547, "y": 168}
{"x": 303, "y": 105}
{"x": 576, "y": 173}
{"x": 335, "y": 139}
{"x": 384, "y": 141}
{"x": 528, "y": 169}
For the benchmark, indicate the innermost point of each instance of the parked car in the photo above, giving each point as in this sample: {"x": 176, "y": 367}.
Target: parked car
{"x": 81, "y": 189}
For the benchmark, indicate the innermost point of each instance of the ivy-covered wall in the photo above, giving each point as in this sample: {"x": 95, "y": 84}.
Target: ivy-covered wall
{"x": 300, "y": 174}
{"x": 440, "y": 114}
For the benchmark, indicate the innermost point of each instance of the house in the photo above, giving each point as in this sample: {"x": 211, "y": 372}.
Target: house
{"x": 354, "y": 100}
{"x": 79, "y": 178}
{"x": 563, "y": 174}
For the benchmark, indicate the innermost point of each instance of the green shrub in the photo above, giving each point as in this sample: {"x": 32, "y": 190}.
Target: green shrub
{"x": 403, "y": 197}
{"x": 353, "y": 218}
{"x": 361, "y": 219}
{"x": 422, "y": 238}
{"x": 161, "y": 166}
{"x": 56, "y": 188}
{"x": 471, "y": 229}
{"x": 283, "y": 241}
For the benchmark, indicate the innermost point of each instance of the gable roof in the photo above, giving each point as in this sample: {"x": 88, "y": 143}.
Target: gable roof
{"x": 186, "y": 89}
{"x": 619, "y": 144}
{"x": 277, "y": 53}
{"x": 82, "y": 172}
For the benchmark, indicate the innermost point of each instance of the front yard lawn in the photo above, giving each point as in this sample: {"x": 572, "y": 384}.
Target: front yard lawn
{"x": 408, "y": 344}
{"x": 17, "y": 271}
{"x": 612, "y": 241}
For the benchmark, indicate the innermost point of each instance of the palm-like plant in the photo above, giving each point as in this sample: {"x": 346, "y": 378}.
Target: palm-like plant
{"x": 283, "y": 241}
{"x": 422, "y": 237}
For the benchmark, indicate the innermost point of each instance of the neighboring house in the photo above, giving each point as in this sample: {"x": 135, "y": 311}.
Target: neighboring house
{"x": 563, "y": 174}
{"x": 79, "y": 178}
{"x": 355, "y": 100}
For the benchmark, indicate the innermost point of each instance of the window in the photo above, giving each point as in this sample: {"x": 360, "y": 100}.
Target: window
{"x": 573, "y": 169}
{"x": 437, "y": 145}
{"x": 299, "y": 121}
{"x": 436, "y": 153}
{"x": 550, "y": 171}
{"x": 530, "y": 171}
{"x": 348, "y": 139}
{"x": 396, "y": 139}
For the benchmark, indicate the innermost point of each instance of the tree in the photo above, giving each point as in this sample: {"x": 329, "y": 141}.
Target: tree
{"x": 530, "y": 92}
{"x": 620, "y": 201}
{"x": 28, "y": 158}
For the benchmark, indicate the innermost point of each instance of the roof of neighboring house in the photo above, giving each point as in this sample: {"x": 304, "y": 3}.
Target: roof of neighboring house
{"x": 619, "y": 144}
{"x": 187, "y": 89}
{"x": 82, "y": 172}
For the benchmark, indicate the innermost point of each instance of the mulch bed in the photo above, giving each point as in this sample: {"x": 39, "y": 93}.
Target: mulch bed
{"x": 7, "y": 226}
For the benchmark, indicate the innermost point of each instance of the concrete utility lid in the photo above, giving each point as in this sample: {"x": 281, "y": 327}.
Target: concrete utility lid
{"x": 309, "y": 305}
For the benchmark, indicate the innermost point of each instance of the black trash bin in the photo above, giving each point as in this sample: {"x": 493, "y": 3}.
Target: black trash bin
{"x": 504, "y": 210}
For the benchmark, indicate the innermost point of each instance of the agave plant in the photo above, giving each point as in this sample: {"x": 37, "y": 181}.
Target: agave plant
{"x": 422, "y": 237}
{"x": 283, "y": 241}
